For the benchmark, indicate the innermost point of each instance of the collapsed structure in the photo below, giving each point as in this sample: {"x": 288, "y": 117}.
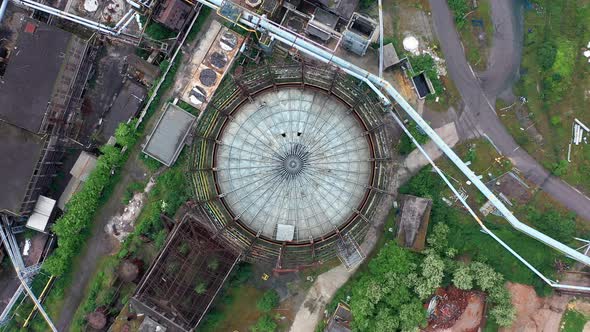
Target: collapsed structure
{"x": 186, "y": 276}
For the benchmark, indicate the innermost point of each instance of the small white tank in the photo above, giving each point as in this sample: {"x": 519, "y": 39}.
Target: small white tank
{"x": 411, "y": 44}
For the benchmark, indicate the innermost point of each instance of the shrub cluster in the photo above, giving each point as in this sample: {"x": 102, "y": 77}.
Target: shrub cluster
{"x": 73, "y": 227}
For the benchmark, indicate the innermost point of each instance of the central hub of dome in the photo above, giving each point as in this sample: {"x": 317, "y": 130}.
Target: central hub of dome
{"x": 293, "y": 164}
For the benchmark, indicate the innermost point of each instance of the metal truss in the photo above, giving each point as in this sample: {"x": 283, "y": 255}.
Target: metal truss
{"x": 24, "y": 274}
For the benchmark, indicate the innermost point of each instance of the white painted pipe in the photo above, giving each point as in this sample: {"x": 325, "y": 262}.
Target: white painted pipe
{"x": 3, "y": 9}
{"x": 582, "y": 125}
{"x": 122, "y": 20}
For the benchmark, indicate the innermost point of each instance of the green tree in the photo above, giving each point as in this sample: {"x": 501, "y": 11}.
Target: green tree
{"x": 503, "y": 315}
{"x": 485, "y": 276}
{"x": 546, "y": 55}
{"x": 437, "y": 240}
{"x": 264, "y": 324}
{"x": 462, "y": 277}
{"x": 555, "y": 120}
{"x": 200, "y": 288}
{"x": 125, "y": 134}
{"x": 433, "y": 268}
{"x": 385, "y": 291}
{"x": 268, "y": 301}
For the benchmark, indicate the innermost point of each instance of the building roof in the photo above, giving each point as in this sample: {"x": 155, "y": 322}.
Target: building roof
{"x": 340, "y": 321}
{"x": 125, "y": 106}
{"x": 294, "y": 143}
{"x": 146, "y": 71}
{"x": 413, "y": 223}
{"x": 85, "y": 163}
{"x": 40, "y": 217}
{"x": 173, "y": 13}
{"x": 33, "y": 68}
{"x": 390, "y": 56}
{"x": 20, "y": 151}
{"x": 167, "y": 139}
{"x": 342, "y": 8}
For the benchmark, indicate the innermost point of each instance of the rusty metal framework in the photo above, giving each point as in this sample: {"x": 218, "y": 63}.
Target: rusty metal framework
{"x": 183, "y": 281}
{"x": 209, "y": 202}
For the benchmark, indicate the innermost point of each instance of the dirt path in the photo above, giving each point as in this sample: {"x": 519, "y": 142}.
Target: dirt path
{"x": 534, "y": 313}
{"x": 99, "y": 244}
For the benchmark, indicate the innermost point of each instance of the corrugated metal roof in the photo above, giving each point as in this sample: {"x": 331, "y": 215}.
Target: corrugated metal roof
{"x": 40, "y": 217}
{"x": 84, "y": 165}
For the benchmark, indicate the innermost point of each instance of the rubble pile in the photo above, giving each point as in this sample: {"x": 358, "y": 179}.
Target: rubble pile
{"x": 450, "y": 305}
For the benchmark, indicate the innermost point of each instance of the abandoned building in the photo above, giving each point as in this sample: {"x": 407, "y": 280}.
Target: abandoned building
{"x": 413, "y": 220}
{"x": 40, "y": 93}
{"x": 173, "y": 14}
{"x": 141, "y": 71}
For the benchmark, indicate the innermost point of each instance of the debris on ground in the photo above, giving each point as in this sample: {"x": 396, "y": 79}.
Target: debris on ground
{"x": 121, "y": 225}
{"x": 456, "y": 310}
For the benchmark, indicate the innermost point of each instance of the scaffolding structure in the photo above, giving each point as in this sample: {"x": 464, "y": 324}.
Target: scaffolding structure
{"x": 209, "y": 202}
{"x": 186, "y": 276}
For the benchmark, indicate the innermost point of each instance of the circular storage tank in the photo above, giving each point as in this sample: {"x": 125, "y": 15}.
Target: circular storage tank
{"x": 293, "y": 165}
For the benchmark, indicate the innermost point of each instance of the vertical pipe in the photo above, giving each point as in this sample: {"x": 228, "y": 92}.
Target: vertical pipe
{"x": 3, "y": 9}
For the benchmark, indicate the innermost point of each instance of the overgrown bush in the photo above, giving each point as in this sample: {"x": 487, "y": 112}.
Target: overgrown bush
{"x": 406, "y": 145}
{"x": 460, "y": 10}
{"x": 268, "y": 301}
{"x": 264, "y": 324}
{"x": 425, "y": 63}
{"x": 73, "y": 227}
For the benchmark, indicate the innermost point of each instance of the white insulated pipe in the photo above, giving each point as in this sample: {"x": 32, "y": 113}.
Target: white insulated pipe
{"x": 71, "y": 17}
{"x": 261, "y": 23}
{"x": 3, "y": 9}
{"x": 122, "y": 20}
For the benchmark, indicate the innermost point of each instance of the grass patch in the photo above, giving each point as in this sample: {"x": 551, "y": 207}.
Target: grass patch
{"x": 476, "y": 38}
{"x": 459, "y": 8}
{"x": 133, "y": 188}
{"x": 554, "y": 80}
{"x": 573, "y": 321}
{"x": 157, "y": 31}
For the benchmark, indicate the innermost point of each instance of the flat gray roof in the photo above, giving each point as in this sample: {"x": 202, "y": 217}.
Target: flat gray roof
{"x": 20, "y": 151}
{"x": 33, "y": 68}
{"x": 125, "y": 106}
{"x": 167, "y": 138}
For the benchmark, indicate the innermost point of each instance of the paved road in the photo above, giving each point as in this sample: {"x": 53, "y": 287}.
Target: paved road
{"x": 478, "y": 102}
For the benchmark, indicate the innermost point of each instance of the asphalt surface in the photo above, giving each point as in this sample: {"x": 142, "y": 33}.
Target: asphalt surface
{"x": 479, "y": 94}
